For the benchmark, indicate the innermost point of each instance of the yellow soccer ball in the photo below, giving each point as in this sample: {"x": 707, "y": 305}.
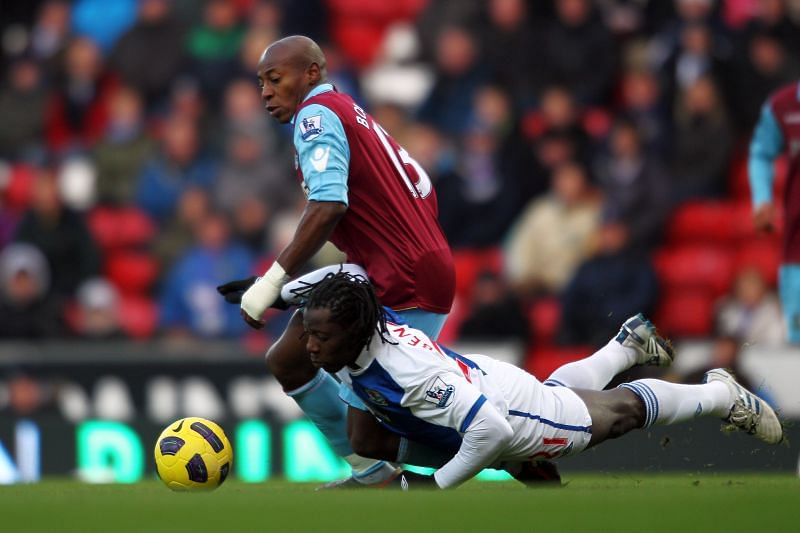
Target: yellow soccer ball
{"x": 193, "y": 454}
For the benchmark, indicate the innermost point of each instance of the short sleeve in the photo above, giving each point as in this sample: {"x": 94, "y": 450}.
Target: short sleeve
{"x": 446, "y": 399}
{"x": 323, "y": 153}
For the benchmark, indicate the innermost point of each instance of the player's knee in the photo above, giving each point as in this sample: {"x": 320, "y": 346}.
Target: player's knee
{"x": 291, "y": 367}
{"x": 630, "y": 415}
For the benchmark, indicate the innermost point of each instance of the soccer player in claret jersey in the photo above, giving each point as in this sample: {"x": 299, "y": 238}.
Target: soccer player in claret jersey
{"x": 367, "y": 196}
{"x": 492, "y": 413}
{"x": 777, "y": 132}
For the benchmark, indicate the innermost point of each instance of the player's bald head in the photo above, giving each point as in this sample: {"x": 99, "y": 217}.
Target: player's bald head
{"x": 296, "y": 50}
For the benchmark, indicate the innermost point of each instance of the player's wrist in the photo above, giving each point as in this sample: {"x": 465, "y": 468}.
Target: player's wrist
{"x": 264, "y": 291}
{"x": 276, "y": 275}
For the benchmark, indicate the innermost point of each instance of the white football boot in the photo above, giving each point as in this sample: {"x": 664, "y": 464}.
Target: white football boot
{"x": 749, "y": 413}
{"x": 651, "y": 349}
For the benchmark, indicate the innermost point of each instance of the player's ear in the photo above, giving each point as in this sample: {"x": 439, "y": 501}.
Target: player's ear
{"x": 314, "y": 73}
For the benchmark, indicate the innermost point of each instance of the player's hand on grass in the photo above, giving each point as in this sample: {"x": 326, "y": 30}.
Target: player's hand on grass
{"x": 408, "y": 480}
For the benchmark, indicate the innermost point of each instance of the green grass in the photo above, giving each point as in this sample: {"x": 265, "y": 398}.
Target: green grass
{"x": 612, "y": 502}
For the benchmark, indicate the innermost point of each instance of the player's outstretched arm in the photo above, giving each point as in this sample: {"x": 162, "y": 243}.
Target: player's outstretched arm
{"x": 318, "y": 221}
{"x": 293, "y": 292}
{"x": 484, "y": 440}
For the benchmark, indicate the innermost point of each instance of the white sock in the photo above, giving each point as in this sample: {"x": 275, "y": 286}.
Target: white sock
{"x": 669, "y": 403}
{"x": 595, "y": 371}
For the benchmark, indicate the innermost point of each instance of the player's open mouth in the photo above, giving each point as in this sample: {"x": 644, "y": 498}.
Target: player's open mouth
{"x": 271, "y": 109}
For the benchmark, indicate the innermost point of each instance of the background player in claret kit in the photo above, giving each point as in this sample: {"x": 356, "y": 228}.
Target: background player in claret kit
{"x": 368, "y": 197}
{"x": 495, "y": 412}
{"x": 777, "y": 132}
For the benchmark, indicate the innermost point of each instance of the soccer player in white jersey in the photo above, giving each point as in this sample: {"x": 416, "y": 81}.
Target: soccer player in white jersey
{"x": 482, "y": 412}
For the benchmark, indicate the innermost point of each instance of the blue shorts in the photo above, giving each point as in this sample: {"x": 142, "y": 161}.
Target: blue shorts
{"x": 789, "y": 288}
{"x": 429, "y": 323}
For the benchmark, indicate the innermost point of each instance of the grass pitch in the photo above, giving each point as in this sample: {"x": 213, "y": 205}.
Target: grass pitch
{"x": 611, "y": 502}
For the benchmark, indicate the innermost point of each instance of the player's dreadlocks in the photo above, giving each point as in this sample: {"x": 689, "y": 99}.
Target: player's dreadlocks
{"x": 353, "y": 305}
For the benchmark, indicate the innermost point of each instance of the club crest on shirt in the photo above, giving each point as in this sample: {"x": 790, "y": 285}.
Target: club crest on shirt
{"x": 376, "y": 397}
{"x": 319, "y": 158}
{"x": 440, "y": 393}
{"x": 311, "y": 127}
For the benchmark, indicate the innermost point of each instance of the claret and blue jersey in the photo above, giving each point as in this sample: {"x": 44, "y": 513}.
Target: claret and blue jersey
{"x": 390, "y": 227}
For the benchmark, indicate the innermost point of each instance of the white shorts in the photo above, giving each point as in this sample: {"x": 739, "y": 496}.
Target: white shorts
{"x": 548, "y": 422}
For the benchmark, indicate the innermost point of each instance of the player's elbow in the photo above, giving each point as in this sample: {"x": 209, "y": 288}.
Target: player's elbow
{"x": 330, "y": 211}
{"x": 499, "y": 437}
{"x": 503, "y": 435}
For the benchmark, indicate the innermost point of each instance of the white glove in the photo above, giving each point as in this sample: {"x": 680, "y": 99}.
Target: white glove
{"x": 264, "y": 291}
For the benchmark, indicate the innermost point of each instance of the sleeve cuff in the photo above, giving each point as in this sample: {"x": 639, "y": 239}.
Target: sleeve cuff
{"x": 334, "y": 190}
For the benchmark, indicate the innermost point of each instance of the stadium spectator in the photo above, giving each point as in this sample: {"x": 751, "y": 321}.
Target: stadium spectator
{"x": 634, "y": 184}
{"x": 560, "y": 115}
{"x": 554, "y": 233}
{"x": 496, "y": 313}
{"x": 124, "y": 148}
{"x": 22, "y": 106}
{"x": 482, "y": 195}
{"x": 579, "y": 52}
{"x": 439, "y": 14}
{"x": 751, "y": 312}
{"x": 61, "y": 234}
{"x": 177, "y": 232}
{"x": 765, "y": 66}
{"x": 77, "y": 113}
{"x": 699, "y": 167}
{"x": 151, "y": 53}
{"x": 213, "y": 47}
{"x": 179, "y": 164}
{"x": 190, "y": 304}
{"x": 644, "y": 105}
{"x": 667, "y": 40}
{"x": 257, "y": 157}
{"x": 617, "y": 281}
{"x": 96, "y": 312}
{"x": 27, "y": 310}
{"x": 50, "y": 33}
{"x": 459, "y": 76}
{"x": 506, "y": 43}
{"x": 696, "y": 56}
{"x": 772, "y": 17}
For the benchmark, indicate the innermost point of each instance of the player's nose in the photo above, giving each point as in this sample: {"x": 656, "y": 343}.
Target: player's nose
{"x": 312, "y": 347}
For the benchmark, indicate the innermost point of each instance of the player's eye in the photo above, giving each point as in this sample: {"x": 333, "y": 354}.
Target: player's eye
{"x": 274, "y": 81}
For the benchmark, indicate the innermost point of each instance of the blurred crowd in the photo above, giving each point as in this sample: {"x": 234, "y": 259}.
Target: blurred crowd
{"x": 138, "y": 169}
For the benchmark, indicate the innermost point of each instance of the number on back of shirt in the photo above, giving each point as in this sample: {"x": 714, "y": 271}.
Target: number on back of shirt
{"x": 413, "y": 175}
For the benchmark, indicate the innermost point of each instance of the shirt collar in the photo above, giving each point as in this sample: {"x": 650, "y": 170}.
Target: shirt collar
{"x": 319, "y": 89}
{"x": 367, "y": 355}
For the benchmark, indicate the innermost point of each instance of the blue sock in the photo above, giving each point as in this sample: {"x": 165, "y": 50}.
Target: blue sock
{"x": 319, "y": 400}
